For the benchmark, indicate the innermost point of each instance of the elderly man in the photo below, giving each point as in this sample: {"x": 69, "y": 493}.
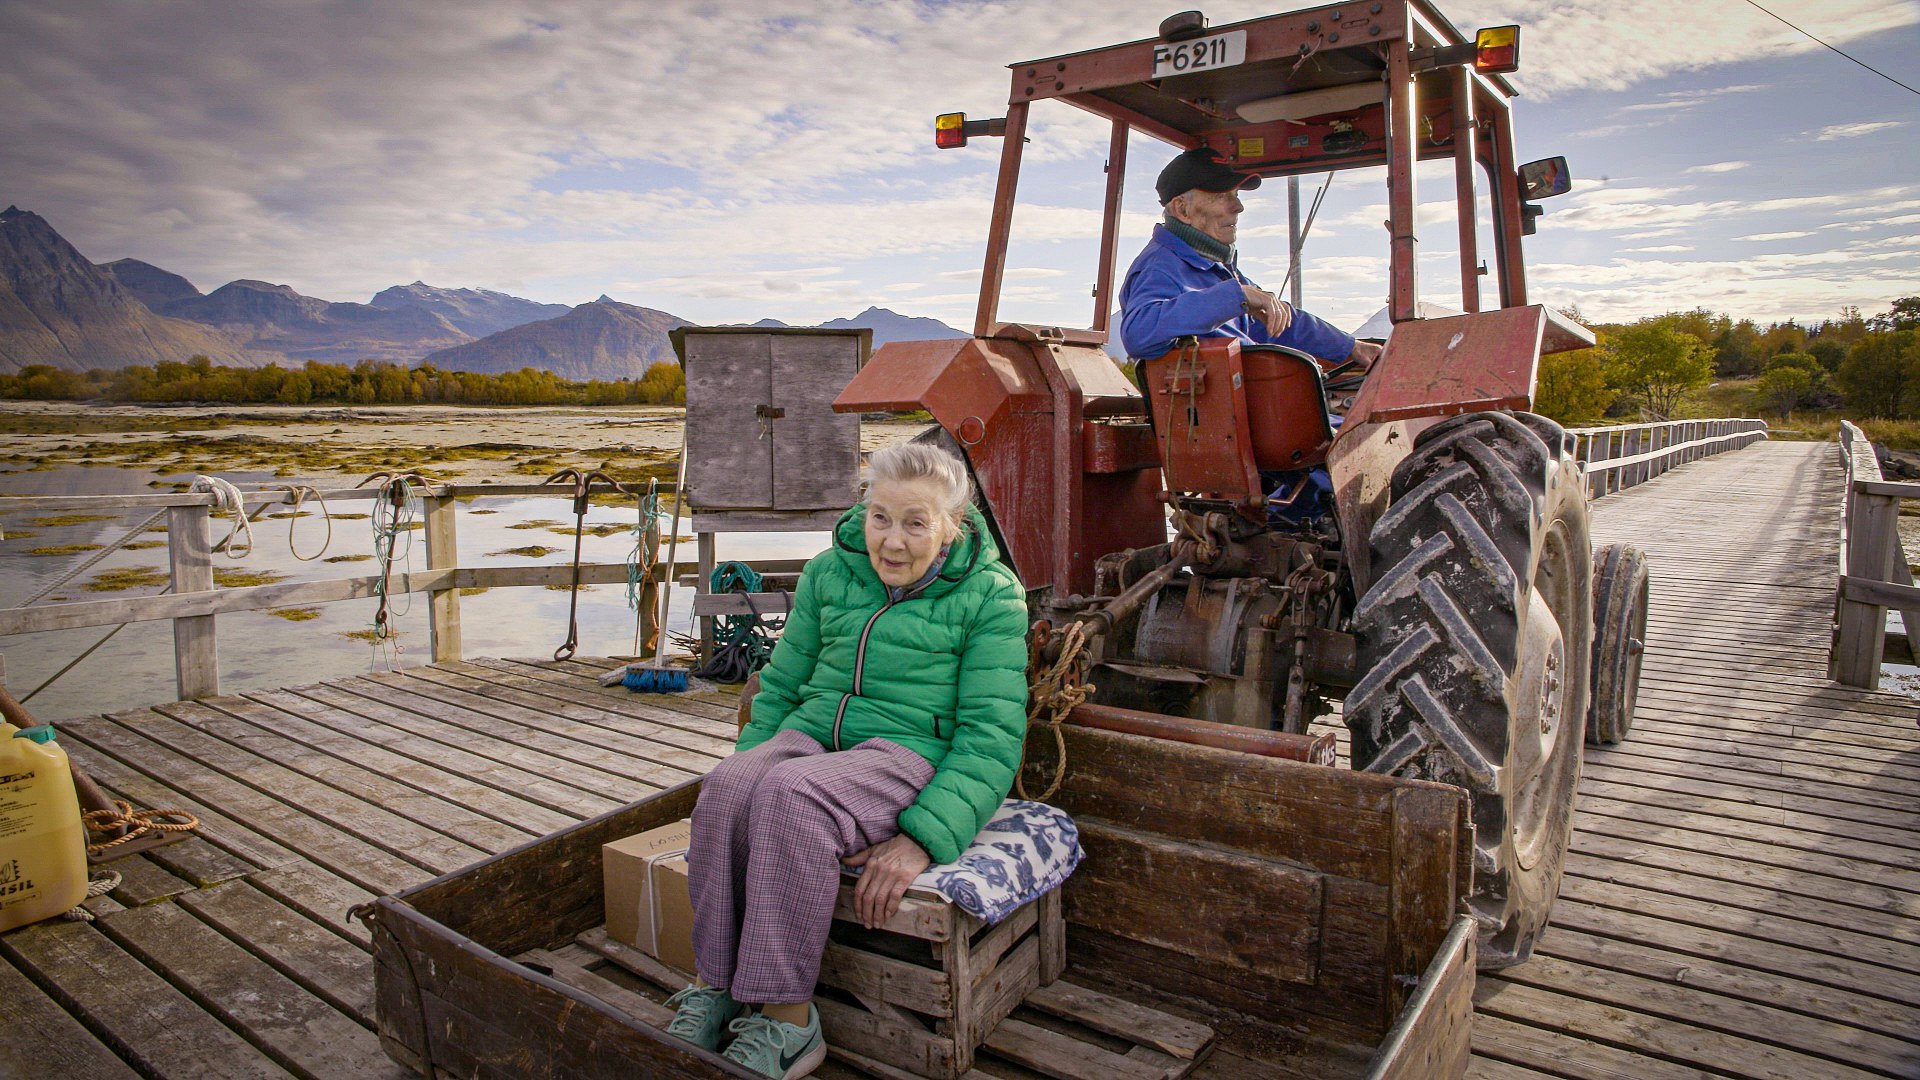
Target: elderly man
{"x": 1187, "y": 283}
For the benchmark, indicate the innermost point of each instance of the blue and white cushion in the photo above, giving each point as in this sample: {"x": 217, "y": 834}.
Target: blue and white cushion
{"x": 1025, "y": 849}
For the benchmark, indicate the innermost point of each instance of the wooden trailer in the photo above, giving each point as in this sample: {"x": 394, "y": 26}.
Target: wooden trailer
{"x": 1235, "y": 916}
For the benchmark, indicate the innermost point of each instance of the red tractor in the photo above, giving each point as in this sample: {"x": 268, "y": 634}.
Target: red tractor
{"x": 1444, "y": 592}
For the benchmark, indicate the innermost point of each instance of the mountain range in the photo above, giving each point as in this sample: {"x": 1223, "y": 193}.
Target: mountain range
{"x": 60, "y": 309}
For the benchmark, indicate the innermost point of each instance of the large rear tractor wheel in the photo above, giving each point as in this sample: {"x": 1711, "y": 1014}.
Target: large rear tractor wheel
{"x": 1620, "y": 594}
{"x": 1475, "y": 643}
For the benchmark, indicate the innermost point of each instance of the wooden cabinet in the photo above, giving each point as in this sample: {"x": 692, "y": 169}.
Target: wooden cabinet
{"x": 761, "y": 430}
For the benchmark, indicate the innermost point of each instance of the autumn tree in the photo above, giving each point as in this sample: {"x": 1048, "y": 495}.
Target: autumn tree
{"x": 1785, "y": 388}
{"x": 1658, "y": 364}
{"x": 1573, "y": 386}
{"x": 1903, "y": 315}
{"x": 1876, "y": 373}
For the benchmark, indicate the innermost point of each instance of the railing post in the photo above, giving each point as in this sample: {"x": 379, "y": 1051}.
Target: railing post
{"x": 1862, "y": 627}
{"x": 196, "y": 656}
{"x": 443, "y": 553}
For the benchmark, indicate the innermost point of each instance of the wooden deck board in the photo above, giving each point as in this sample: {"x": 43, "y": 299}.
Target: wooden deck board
{"x": 1742, "y": 897}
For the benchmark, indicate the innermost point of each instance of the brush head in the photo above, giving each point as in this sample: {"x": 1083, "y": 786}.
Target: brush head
{"x": 652, "y": 680}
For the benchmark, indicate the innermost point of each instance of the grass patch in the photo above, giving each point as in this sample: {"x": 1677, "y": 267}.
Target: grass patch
{"x": 530, "y": 551}
{"x": 295, "y": 614}
{"x": 472, "y": 592}
{"x": 292, "y": 514}
{"x": 240, "y": 579}
{"x": 21, "y": 534}
{"x": 566, "y": 588}
{"x": 536, "y": 523}
{"x": 348, "y": 517}
{"x": 55, "y": 521}
{"x": 128, "y": 577}
{"x": 143, "y": 545}
{"x": 348, "y": 558}
{"x": 369, "y": 635}
{"x": 63, "y": 549}
{"x": 592, "y": 530}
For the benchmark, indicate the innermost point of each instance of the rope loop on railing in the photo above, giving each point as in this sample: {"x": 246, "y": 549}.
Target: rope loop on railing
{"x": 228, "y": 498}
{"x": 297, "y": 495}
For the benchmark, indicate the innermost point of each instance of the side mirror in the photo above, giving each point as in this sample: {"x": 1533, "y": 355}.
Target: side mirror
{"x": 1545, "y": 178}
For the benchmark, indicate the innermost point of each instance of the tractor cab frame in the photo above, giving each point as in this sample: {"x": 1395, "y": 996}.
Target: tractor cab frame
{"x": 1445, "y": 595}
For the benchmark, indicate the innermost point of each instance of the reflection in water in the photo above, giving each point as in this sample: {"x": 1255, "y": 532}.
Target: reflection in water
{"x": 259, "y": 649}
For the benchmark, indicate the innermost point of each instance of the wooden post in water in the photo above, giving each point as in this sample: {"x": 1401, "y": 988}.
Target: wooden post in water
{"x": 196, "y": 658}
{"x": 443, "y": 618}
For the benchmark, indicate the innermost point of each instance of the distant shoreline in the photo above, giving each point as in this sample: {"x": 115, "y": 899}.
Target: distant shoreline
{"x": 472, "y": 444}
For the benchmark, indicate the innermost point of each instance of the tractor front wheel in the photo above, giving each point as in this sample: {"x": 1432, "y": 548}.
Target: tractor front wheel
{"x": 1475, "y": 646}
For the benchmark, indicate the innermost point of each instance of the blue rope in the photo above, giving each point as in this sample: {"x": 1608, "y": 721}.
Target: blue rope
{"x": 644, "y": 557}
{"x": 742, "y": 643}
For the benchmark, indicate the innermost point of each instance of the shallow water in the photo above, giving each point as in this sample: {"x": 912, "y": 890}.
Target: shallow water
{"x": 134, "y": 668}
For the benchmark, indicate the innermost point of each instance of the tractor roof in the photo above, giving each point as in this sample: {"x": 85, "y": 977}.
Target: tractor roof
{"x": 1267, "y": 92}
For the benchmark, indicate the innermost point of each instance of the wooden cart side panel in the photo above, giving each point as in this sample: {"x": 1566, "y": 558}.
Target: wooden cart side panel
{"x": 1330, "y": 820}
{"x": 445, "y": 1004}
{"x": 545, "y": 891}
{"x": 1434, "y": 1035}
{"x": 1426, "y": 891}
{"x": 1385, "y": 854}
{"x": 1268, "y": 922}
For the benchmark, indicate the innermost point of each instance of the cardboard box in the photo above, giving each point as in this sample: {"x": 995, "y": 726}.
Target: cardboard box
{"x": 646, "y": 893}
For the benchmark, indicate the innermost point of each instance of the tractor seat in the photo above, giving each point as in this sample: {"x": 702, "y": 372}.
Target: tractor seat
{"x": 1224, "y": 412}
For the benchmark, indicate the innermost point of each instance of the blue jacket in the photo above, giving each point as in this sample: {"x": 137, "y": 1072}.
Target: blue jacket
{"x": 1173, "y": 291}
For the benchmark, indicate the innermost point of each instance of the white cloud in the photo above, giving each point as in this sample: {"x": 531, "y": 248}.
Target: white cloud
{"x": 1718, "y": 167}
{"x": 1853, "y": 131}
{"x": 1773, "y": 236}
{"x": 721, "y": 152}
{"x": 1662, "y": 249}
{"x": 1615, "y": 44}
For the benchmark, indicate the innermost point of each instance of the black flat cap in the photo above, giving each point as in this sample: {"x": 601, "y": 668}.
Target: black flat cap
{"x": 1200, "y": 169}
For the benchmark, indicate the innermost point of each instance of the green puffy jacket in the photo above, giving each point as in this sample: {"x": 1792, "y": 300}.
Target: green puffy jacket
{"x": 942, "y": 673}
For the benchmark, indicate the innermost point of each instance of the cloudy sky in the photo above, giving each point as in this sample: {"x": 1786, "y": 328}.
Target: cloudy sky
{"x": 730, "y": 160}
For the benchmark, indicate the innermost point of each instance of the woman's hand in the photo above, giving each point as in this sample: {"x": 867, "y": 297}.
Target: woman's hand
{"x": 891, "y": 865}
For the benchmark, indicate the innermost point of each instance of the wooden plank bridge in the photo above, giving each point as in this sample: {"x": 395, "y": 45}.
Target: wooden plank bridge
{"x": 1742, "y": 897}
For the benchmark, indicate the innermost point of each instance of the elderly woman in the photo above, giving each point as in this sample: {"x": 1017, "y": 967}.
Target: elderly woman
{"x": 887, "y": 730}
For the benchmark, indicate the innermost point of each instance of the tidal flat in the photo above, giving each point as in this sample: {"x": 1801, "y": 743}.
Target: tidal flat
{"x": 61, "y": 448}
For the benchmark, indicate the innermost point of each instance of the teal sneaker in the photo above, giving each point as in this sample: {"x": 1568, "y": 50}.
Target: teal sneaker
{"x": 701, "y": 1013}
{"x": 774, "y": 1049}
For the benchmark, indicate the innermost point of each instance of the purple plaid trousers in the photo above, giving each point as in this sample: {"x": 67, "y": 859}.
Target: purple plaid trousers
{"x": 764, "y": 864}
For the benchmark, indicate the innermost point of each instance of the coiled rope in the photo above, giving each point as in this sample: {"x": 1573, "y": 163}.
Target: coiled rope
{"x": 1057, "y": 692}
{"x": 228, "y": 498}
{"x": 106, "y": 882}
{"x": 138, "y": 823}
{"x": 393, "y": 520}
{"x": 742, "y": 643}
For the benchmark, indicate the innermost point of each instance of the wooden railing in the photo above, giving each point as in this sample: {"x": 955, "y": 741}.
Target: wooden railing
{"x": 1874, "y": 574}
{"x": 193, "y": 603}
{"x": 1617, "y": 458}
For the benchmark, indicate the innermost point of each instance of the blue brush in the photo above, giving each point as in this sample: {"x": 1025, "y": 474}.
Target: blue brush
{"x": 656, "y": 677}
{"x": 655, "y": 680}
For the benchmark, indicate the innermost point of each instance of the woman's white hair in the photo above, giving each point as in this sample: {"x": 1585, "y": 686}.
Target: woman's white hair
{"x": 918, "y": 462}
